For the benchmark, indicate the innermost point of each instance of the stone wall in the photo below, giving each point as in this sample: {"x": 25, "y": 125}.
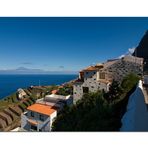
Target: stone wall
{"x": 114, "y": 70}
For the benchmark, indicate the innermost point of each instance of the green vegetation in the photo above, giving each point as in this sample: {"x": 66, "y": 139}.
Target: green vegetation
{"x": 66, "y": 90}
{"x": 10, "y": 100}
{"x": 98, "y": 111}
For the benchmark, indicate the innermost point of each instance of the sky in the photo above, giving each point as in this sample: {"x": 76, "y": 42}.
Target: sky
{"x": 66, "y": 44}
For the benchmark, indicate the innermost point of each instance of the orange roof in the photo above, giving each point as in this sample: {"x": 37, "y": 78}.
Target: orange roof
{"x": 54, "y": 91}
{"x": 41, "y": 108}
{"x": 92, "y": 68}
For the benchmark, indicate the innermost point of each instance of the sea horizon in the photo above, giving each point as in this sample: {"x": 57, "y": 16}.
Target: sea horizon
{"x": 9, "y": 83}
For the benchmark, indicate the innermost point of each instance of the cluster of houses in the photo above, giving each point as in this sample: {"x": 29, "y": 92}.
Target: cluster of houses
{"x": 40, "y": 116}
{"x": 100, "y": 76}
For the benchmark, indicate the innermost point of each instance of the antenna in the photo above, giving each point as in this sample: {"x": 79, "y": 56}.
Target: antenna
{"x": 39, "y": 83}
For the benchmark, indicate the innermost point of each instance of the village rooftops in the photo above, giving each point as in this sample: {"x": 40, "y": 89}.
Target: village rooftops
{"x": 42, "y": 108}
{"x": 93, "y": 68}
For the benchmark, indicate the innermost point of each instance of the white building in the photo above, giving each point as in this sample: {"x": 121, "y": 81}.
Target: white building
{"x": 100, "y": 76}
{"x": 56, "y": 100}
{"x": 21, "y": 93}
{"x": 39, "y": 117}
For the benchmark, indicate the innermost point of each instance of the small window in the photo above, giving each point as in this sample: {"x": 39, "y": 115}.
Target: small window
{"x": 85, "y": 89}
{"x": 75, "y": 93}
{"x": 102, "y": 75}
{"x": 41, "y": 117}
{"x": 34, "y": 127}
{"x": 32, "y": 114}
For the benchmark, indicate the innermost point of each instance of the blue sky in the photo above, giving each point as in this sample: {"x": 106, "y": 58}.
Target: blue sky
{"x": 66, "y": 43}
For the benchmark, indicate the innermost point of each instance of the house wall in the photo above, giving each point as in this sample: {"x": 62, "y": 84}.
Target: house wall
{"x": 46, "y": 124}
{"x": 117, "y": 71}
{"x": 90, "y": 81}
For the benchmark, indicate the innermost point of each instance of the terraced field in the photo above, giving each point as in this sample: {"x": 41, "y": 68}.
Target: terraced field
{"x": 12, "y": 107}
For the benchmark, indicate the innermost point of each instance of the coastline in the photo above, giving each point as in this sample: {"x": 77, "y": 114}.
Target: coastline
{"x": 10, "y": 83}
{"x": 11, "y": 103}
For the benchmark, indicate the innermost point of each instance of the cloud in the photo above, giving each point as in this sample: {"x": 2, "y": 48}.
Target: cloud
{"x": 131, "y": 50}
{"x": 45, "y": 65}
{"x": 121, "y": 56}
{"x": 27, "y": 63}
{"x": 61, "y": 67}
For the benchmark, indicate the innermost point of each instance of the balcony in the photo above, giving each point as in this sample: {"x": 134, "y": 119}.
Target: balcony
{"x": 33, "y": 121}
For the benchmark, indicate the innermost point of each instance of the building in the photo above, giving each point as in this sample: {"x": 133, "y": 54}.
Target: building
{"x": 39, "y": 117}
{"x": 21, "y": 93}
{"x": 57, "y": 101}
{"x": 100, "y": 76}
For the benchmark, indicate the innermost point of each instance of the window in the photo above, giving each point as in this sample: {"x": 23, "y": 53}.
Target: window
{"x": 40, "y": 130}
{"x": 102, "y": 75}
{"x": 94, "y": 73}
{"x": 33, "y": 127}
{"x": 41, "y": 117}
{"x": 32, "y": 114}
{"x": 85, "y": 89}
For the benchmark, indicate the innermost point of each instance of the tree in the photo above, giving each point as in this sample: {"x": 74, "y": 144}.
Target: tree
{"x": 114, "y": 92}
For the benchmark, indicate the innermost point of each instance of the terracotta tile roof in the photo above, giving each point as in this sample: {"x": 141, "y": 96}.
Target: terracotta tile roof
{"x": 42, "y": 108}
{"x": 91, "y": 68}
{"x": 54, "y": 91}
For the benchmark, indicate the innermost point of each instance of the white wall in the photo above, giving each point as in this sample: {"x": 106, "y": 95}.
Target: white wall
{"x": 90, "y": 81}
{"x": 47, "y": 119}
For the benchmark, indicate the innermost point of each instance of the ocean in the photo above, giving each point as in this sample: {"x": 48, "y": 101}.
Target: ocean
{"x": 10, "y": 83}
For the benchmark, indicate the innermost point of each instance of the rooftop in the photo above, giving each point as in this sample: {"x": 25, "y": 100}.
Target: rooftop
{"x": 56, "y": 97}
{"x": 91, "y": 68}
{"x": 42, "y": 108}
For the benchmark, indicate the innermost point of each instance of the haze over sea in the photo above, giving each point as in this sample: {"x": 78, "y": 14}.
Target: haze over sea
{"x": 10, "y": 83}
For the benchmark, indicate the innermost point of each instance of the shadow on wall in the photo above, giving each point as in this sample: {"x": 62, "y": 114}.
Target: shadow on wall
{"x": 136, "y": 117}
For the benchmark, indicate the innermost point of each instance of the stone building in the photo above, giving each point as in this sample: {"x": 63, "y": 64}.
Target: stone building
{"x": 100, "y": 76}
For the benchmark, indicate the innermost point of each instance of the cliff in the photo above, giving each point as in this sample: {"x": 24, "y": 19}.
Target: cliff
{"x": 142, "y": 50}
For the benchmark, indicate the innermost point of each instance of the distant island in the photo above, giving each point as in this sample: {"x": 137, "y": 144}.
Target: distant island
{"x": 23, "y": 70}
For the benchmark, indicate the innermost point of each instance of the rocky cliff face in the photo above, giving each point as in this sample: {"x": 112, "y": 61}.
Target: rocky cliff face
{"x": 142, "y": 50}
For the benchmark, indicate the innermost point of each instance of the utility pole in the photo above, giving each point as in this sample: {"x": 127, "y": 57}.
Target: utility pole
{"x": 39, "y": 83}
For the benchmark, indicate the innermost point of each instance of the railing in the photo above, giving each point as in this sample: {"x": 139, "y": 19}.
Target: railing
{"x": 40, "y": 124}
